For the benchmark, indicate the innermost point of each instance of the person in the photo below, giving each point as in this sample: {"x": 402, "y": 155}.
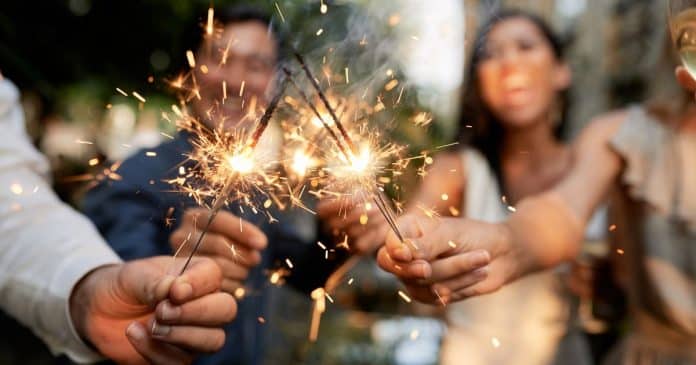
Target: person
{"x": 644, "y": 157}
{"x": 61, "y": 280}
{"x": 140, "y": 217}
{"x": 513, "y": 110}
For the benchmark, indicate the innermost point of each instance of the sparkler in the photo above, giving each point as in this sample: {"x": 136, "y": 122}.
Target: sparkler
{"x": 241, "y": 161}
{"x": 350, "y": 153}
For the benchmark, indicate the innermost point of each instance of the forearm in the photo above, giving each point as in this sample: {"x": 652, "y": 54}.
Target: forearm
{"x": 542, "y": 233}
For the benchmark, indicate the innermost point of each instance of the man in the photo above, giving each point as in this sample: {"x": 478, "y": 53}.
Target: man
{"x": 59, "y": 278}
{"x": 141, "y": 217}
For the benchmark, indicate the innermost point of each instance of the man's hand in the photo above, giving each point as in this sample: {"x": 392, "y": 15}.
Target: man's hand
{"x": 363, "y": 223}
{"x": 135, "y": 313}
{"x": 233, "y": 243}
{"x": 448, "y": 259}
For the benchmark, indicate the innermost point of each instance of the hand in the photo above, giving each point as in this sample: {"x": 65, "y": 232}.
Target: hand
{"x": 685, "y": 80}
{"x": 134, "y": 313}
{"x": 363, "y": 223}
{"x": 448, "y": 259}
{"x": 233, "y": 243}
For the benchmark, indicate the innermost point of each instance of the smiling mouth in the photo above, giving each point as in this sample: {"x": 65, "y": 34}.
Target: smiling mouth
{"x": 515, "y": 82}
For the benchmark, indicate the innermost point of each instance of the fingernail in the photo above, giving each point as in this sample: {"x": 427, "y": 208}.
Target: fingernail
{"x": 135, "y": 331}
{"x": 159, "y": 330}
{"x": 169, "y": 312}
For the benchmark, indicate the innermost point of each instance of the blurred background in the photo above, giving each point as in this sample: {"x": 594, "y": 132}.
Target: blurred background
{"x": 69, "y": 56}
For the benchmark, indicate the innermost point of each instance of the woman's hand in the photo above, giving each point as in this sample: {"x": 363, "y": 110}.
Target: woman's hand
{"x": 448, "y": 259}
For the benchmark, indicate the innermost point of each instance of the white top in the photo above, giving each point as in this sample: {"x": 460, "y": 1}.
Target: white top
{"x": 46, "y": 247}
{"x": 523, "y": 322}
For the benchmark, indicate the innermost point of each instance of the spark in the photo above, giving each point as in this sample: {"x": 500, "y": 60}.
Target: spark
{"x": 191, "y": 59}
{"x": 209, "y": 27}
{"x": 495, "y": 342}
{"x": 280, "y": 12}
{"x": 121, "y": 92}
{"x": 323, "y": 8}
{"x": 93, "y": 162}
{"x": 138, "y": 96}
{"x": 151, "y": 154}
{"x": 405, "y": 297}
{"x": 391, "y": 85}
{"x": 241, "y": 89}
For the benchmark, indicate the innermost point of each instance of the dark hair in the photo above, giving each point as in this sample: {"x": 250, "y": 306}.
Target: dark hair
{"x": 486, "y": 131}
{"x": 246, "y": 13}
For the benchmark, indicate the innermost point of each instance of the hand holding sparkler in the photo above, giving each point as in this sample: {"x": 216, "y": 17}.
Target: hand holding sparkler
{"x": 232, "y": 242}
{"x": 448, "y": 261}
{"x": 364, "y": 224}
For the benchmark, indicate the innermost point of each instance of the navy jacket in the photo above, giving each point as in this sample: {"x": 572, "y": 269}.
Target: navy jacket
{"x": 132, "y": 214}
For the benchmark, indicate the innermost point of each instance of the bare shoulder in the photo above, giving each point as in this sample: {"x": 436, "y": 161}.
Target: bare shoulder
{"x": 601, "y": 129}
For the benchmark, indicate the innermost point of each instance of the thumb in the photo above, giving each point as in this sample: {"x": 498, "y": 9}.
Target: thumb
{"x": 424, "y": 238}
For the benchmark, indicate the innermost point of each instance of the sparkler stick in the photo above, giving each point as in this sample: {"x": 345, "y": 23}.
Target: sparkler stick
{"x": 324, "y": 100}
{"x": 315, "y": 111}
{"x": 229, "y": 184}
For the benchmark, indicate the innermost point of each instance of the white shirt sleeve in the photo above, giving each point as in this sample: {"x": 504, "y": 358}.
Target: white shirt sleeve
{"x": 46, "y": 247}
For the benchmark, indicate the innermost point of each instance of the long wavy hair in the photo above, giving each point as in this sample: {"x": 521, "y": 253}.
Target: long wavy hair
{"x": 478, "y": 126}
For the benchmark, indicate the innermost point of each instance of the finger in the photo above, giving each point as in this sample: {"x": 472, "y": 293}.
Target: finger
{"x": 214, "y": 244}
{"x": 197, "y": 339}
{"x": 230, "y": 286}
{"x": 458, "y": 265}
{"x": 153, "y": 351}
{"x": 219, "y": 246}
{"x": 461, "y": 282}
{"x": 414, "y": 270}
{"x": 231, "y": 270}
{"x": 202, "y": 277}
{"x": 685, "y": 79}
{"x": 424, "y": 294}
{"x": 229, "y": 225}
{"x": 211, "y": 310}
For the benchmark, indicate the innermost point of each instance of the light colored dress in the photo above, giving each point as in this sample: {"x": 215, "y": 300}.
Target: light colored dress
{"x": 522, "y": 323}
{"x": 655, "y": 214}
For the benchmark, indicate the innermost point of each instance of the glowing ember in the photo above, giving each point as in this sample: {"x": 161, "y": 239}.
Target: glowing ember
{"x": 241, "y": 162}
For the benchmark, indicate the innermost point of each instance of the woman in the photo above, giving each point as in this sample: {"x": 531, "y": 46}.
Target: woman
{"x": 647, "y": 158}
{"x": 513, "y": 112}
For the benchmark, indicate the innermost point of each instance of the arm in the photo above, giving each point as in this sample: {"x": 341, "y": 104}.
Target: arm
{"x": 59, "y": 278}
{"x": 458, "y": 258}
{"x": 445, "y": 177}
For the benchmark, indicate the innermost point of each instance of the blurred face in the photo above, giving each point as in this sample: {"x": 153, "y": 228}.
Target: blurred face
{"x": 519, "y": 75}
{"x": 250, "y": 60}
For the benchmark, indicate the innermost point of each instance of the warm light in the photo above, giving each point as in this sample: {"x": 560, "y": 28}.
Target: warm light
{"x": 241, "y": 162}
{"x": 360, "y": 162}
{"x": 327, "y": 119}
{"x": 301, "y": 162}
